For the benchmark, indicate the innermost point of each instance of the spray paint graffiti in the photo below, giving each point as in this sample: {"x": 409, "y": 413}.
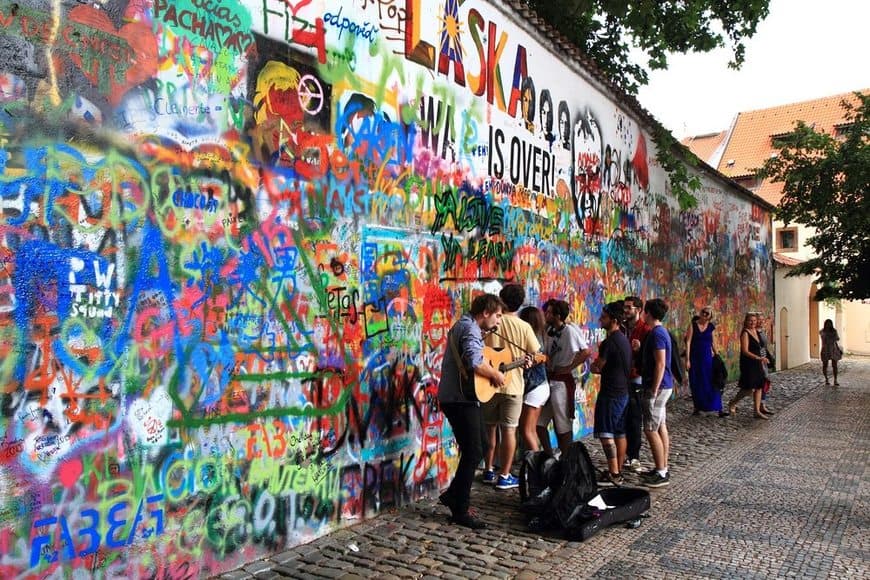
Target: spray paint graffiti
{"x": 233, "y": 236}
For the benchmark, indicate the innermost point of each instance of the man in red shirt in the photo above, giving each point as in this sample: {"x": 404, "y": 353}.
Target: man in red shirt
{"x": 636, "y": 330}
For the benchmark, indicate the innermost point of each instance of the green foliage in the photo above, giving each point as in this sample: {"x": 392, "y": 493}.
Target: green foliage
{"x": 825, "y": 184}
{"x": 676, "y": 161}
{"x": 608, "y": 30}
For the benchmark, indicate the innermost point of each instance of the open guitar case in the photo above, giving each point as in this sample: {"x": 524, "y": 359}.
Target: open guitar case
{"x": 555, "y": 494}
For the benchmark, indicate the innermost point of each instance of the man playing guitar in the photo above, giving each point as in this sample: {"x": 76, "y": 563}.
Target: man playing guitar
{"x": 464, "y": 358}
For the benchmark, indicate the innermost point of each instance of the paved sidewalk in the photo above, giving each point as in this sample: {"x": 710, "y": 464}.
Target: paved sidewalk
{"x": 781, "y": 498}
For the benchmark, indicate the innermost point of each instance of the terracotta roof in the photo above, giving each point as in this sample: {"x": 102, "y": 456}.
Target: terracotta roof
{"x": 704, "y": 146}
{"x": 785, "y": 260}
{"x": 750, "y": 142}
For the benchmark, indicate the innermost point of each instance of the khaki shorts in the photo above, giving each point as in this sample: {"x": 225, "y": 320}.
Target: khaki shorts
{"x": 655, "y": 410}
{"x": 503, "y": 410}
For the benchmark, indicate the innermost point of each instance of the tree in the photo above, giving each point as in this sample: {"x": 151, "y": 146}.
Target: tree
{"x": 607, "y": 30}
{"x": 826, "y": 180}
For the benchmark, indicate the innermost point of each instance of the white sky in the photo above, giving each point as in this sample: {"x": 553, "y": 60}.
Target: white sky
{"x": 803, "y": 50}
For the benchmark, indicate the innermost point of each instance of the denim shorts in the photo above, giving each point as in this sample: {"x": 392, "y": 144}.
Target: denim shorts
{"x": 610, "y": 416}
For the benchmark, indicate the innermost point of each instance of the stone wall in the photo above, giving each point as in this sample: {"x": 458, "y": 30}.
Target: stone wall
{"x": 234, "y": 234}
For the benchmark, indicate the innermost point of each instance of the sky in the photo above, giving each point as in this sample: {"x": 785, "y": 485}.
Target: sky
{"x": 803, "y": 50}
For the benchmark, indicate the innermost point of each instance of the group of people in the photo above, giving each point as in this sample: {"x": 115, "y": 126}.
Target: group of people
{"x": 639, "y": 364}
{"x": 634, "y": 361}
{"x": 755, "y": 363}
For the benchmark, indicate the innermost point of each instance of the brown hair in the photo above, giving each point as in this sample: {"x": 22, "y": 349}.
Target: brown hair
{"x": 486, "y": 303}
{"x": 535, "y": 317}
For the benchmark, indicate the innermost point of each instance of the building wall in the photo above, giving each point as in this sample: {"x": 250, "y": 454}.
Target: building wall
{"x": 792, "y": 294}
{"x": 234, "y": 235}
{"x": 855, "y": 327}
{"x": 851, "y": 318}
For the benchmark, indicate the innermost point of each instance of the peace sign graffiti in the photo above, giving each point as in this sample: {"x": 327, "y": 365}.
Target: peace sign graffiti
{"x": 310, "y": 93}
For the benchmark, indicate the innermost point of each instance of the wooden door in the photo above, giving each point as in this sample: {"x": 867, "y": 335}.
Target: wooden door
{"x": 782, "y": 347}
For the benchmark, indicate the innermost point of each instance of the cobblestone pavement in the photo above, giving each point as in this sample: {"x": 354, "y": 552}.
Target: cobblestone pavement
{"x": 748, "y": 498}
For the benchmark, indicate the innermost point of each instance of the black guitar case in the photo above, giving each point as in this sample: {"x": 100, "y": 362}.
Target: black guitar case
{"x": 556, "y": 495}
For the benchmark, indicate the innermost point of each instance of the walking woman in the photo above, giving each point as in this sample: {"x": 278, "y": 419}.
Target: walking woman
{"x": 701, "y": 347}
{"x": 537, "y": 389}
{"x": 831, "y": 350}
{"x": 752, "y": 369}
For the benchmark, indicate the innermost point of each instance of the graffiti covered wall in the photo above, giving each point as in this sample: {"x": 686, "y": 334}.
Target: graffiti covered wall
{"x": 234, "y": 234}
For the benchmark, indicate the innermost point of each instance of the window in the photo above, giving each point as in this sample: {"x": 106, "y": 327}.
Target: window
{"x": 779, "y": 141}
{"x": 750, "y": 182}
{"x": 840, "y": 129}
{"x": 786, "y": 239}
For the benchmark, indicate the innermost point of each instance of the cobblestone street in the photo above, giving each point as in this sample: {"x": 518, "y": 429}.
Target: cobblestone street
{"x": 786, "y": 497}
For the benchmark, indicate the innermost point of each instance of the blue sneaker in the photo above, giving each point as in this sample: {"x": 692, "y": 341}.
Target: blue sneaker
{"x": 489, "y": 477}
{"x": 507, "y": 482}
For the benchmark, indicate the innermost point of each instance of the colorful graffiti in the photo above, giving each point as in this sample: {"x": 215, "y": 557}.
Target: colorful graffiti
{"x": 233, "y": 237}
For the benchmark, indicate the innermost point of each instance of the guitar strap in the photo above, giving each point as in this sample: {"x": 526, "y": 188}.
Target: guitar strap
{"x": 463, "y": 373}
{"x": 509, "y": 341}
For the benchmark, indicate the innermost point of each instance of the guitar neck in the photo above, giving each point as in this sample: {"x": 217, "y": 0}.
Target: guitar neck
{"x": 510, "y": 366}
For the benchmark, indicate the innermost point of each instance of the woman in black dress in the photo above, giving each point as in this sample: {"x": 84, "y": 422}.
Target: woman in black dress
{"x": 752, "y": 367}
{"x": 831, "y": 350}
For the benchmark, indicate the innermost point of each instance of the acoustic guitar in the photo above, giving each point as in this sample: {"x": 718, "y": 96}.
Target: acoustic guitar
{"x": 501, "y": 360}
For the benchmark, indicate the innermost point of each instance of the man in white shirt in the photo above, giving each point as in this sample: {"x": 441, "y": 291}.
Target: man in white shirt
{"x": 566, "y": 350}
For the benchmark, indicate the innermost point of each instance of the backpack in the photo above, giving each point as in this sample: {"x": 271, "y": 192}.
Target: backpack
{"x": 538, "y": 471}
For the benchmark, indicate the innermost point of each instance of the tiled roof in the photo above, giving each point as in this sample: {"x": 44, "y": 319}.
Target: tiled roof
{"x": 704, "y": 146}
{"x": 784, "y": 260}
{"x": 750, "y": 142}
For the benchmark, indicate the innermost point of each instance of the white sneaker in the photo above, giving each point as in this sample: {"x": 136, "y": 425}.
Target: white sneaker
{"x": 634, "y": 465}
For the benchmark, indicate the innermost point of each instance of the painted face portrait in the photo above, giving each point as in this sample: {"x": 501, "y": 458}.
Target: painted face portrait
{"x": 587, "y": 145}
{"x": 564, "y": 125}
{"x": 546, "y": 126}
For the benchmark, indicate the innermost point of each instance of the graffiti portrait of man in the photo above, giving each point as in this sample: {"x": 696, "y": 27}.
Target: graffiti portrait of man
{"x": 587, "y": 171}
{"x": 547, "y": 116}
{"x": 527, "y": 98}
{"x": 564, "y": 126}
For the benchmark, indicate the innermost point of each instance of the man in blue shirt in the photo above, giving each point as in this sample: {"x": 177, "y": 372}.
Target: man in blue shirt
{"x": 464, "y": 359}
{"x": 657, "y": 385}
